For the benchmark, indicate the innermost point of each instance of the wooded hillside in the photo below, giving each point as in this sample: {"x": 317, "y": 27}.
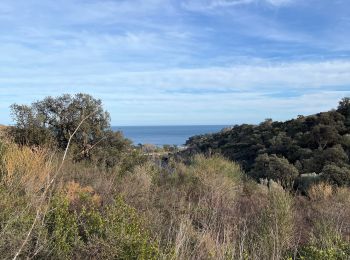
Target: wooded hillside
{"x": 315, "y": 146}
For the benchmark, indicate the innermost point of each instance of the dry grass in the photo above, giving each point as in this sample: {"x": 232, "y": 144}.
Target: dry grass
{"x": 136, "y": 187}
{"x": 75, "y": 193}
{"x": 26, "y": 169}
{"x": 24, "y": 175}
{"x": 320, "y": 191}
{"x": 204, "y": 210}
{"x": 3, "y": 130}
{"x": 197, "y": 208}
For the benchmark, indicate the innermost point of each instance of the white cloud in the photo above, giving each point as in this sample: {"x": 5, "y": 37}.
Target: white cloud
{"x": 279, "y": 2}
{"x": 263, "y": 75}
{"x": 210, "y": 4}
{"x": 212, "y": 95}
{"x": 272, "y": 75}
{"x": 152, "y": 61}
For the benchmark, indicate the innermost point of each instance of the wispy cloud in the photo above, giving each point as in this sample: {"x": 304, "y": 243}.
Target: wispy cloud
{"x": 210, "y": 4}
{"x": 164, "y": 61}
{"x": 223, "y": 91}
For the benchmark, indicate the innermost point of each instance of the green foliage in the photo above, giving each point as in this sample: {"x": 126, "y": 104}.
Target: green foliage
{"x": 108, "y": 152}
{"x": 336, "y": 175}
{"x": 275, "y": 168}
{"x": 202, "y": 209}
{"x": 217, "y": 165}
{"x": 62, "y": 226}
{"x": 344, "y": 109}
{"x": 341, "y": 251}
{"x": 58, "y": 117}
{"x": 51, "y": 122}
{"x": 132, "y": 160}
{"x": 29, "y": 129}
{"x": 310, "y": 143}
{"x": 275, "y": 229}
{"x": 119, "y": 231}
{"x": 16, "y": 218}
{"x": 124, "y": 229}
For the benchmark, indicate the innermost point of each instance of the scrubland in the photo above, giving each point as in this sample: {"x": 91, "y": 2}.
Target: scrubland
{"x": 204, "y": 208}
{"x": 71, "y": 188}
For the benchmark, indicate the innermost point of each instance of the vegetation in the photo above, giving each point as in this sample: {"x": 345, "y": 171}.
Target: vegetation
{"x": 287, "y": 152}
{"x": 52, "y": 121}
{"x": 57, "y": 205}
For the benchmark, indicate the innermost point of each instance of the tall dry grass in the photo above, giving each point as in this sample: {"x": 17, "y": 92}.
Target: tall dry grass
{"x": 204, "y": 209}
{"x": 25, "y": 169}
{"x": 24, "y": 174}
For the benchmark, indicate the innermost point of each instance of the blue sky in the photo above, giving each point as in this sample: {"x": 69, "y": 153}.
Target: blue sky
{"x": 163, "y": 62}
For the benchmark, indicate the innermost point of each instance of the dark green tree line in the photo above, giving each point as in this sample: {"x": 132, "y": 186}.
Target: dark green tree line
{"x": 284, "y": 151}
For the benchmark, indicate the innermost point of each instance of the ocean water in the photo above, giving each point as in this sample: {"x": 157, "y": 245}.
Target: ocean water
{"x": 160, "y": 135}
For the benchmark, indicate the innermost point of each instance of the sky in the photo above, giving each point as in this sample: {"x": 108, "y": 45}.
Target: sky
{"x": 178, "y": 62}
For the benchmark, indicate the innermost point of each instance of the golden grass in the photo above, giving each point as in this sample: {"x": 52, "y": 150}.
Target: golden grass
{"x": 25, "y": 168}
{"x": 320, "y": 191}
{"x": 3, "y": 130}
{"x": 75, "y": 192}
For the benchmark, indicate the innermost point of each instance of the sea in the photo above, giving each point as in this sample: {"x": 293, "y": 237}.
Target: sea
{"x": 162, "y": 135}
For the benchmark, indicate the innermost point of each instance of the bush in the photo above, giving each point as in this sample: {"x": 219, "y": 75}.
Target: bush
{"x": 16, "y": 217}
{"x": 341, "y": 251}
{"x": 273, "y": 236}
{"x": 58, "y": 117}
{"x": 275, "y": 168}
{"x": 195, "y": 207}
{"x": 336, "y": 175}
{"x": 62, "y": 225}
{"x": 140, "y": 209}
{"x": 122, "y": 235}
{"x": 75, "y": 225}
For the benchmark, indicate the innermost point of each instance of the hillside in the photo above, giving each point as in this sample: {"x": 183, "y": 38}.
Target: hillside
{"x": 303, "y": 146}
{"x": 92, "y": 195}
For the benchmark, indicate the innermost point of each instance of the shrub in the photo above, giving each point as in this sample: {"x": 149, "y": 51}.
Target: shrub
{"x": 341, "y": 251}
{"x": 59, "y": 117}
{"x": 16, "y": 218}
{"x": 273, "y": 236}
{"x": 124, "y": 235}
{"x": 275, "y": 168}
{"x": 336, "y": 175}
{"x": 63, "y": 229}
{"x": 195, "y": 211}
{"x": 75, "y": 225}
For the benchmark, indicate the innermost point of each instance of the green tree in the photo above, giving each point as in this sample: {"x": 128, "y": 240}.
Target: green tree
{"x": 29, "y": 128}
{"x": 62, "y": 115}
{"x": 275, "y": 168}
{"x": 325, "y": 135}
{"x": 344, "y": 109}
{"x": 57, "y": 118}
{"x": 336, "y": 175}
{"x": 53, "y": 120}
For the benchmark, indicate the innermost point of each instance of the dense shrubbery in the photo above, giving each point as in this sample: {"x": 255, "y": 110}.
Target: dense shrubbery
{"x": 284, "y": 151}
{"x": 204, "y": 207}
{"x": 75, "y": 221}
